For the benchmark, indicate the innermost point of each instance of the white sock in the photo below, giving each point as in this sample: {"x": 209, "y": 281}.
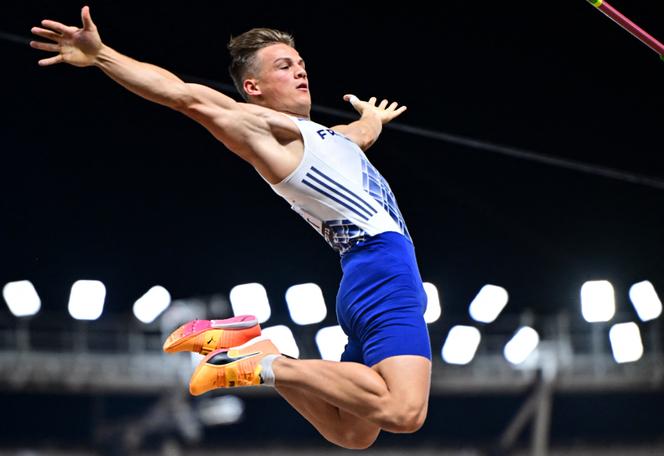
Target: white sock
{"x": 267, "y": 374}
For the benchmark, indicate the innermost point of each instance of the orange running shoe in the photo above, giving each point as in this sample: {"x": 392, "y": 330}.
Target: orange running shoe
{"x": 227, "y": 368}
{"x": 205, "y": 336}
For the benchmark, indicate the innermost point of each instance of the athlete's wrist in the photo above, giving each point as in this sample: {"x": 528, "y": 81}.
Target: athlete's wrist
{"x": 103, "y": 56}
{"x": 373, "y": 123}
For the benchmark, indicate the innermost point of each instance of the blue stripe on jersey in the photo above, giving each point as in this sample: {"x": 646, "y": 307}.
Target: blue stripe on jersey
{"x": 309, "y": 184}
{"x": 371, "y": 208}
{"x": 378, "y": 188}
{"x": 347, "y": 198}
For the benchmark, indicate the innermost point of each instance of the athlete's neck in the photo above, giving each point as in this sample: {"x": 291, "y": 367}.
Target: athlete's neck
{"x": 294, "y": 114}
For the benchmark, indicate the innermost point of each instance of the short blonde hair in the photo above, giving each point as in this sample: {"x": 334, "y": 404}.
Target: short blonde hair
{"x": 243, "y": 50}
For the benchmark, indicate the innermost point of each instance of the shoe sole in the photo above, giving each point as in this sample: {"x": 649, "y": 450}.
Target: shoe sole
{"x": 195, "y": 328}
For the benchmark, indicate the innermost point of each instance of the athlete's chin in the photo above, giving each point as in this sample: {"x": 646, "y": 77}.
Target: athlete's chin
{"x": 303, "y": 107}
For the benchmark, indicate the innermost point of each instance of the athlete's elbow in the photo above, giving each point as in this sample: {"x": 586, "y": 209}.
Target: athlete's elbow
{"x": 368, "y": 137}
{"x": 181, "y": 99}
{"x": 363, "y": 138}
{"x": 368, "y": 141}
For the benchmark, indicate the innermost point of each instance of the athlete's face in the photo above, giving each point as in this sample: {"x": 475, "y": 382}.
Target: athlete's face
{"x": 281, "y": 82}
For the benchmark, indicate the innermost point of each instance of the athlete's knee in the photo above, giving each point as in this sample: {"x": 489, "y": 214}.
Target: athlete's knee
{"x": 406, "y": 418}
{"x": 352, "y": 438}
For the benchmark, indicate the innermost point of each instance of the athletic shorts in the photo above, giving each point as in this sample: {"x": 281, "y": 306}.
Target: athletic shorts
{"x": 381, "y": 301}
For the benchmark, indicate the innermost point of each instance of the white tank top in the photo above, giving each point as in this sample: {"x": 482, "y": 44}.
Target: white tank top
{"x": 338, "y": 191}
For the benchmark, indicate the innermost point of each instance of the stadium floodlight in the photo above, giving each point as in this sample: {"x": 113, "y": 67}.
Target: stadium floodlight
{"x": 251, "y": 299}
{"x": 523, "y": 343}
{"x": 215, "y": 411}
{"x": 488, "y": 303}
{"x": 626, "y": 342}
{"x": 149, "y": 306}
{"x": 306, "y": 304}
{"x": 461, "y": 344}
{"x": 86, "y": 299}
{"x": 645, "y": 300}
{"x": 21, "y": 298}
{"x": 598, "y": 303}
{"x": 195, "y": 359}
{"x": 283, "y": 338}
{"x": 331, "y": 342}
{"x": 434, "y": 310}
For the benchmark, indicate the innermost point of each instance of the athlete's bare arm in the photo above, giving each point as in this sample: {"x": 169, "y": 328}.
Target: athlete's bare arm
{"x": 365, "y": 131}
{"x": 263, "y": 137}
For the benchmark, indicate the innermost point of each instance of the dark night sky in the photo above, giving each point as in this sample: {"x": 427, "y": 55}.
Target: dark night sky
{"x": 99, "y": 184}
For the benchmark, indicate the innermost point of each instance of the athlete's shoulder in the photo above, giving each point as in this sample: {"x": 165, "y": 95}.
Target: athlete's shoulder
{"x": 279, "y": 123}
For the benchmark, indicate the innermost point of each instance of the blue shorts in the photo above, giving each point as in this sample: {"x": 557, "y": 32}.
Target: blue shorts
{"x": 381, "y": 301}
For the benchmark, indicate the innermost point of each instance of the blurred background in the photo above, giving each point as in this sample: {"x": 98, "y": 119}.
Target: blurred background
{"x": 529, "y": 168}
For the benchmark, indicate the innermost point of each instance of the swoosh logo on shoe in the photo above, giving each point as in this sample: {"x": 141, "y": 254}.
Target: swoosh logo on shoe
{"x": 246, "y": 356}
{"x": 223, "y": 358}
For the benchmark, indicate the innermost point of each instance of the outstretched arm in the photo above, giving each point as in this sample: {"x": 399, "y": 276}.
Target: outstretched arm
{"x": 225, "y": 118}
{"x": 82, "y": 47}
{"x": 365, "y": 131}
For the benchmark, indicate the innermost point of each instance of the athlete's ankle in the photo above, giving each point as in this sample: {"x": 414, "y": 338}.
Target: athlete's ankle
{"x": 267, "y": 372}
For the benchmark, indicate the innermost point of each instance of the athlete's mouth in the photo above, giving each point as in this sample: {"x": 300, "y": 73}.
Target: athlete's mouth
{"x": 304, "y": 86}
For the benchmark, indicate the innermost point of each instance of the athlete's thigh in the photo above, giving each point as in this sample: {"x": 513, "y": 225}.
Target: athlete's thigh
{"x": 408, "y": 377}
{"x": 334, "y": 423}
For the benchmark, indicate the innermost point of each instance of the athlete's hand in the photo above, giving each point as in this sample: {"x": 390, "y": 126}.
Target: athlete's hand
{"x": 76, "y": 46}
{"x": 385, "y": 111}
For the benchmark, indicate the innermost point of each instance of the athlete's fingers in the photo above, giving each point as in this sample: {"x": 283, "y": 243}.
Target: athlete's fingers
{"x": 86, "y": 18}
{"x": 48, "y": 34}
{"x": 51, "y": 60}
{"x": 382, "y": 104}
{"x": 372, "y": 101}
{"x": 58, "y": 27}
{"x": 393, "y": 106}
{"x": 399, "y": 111}
{"x": 51, "y": 47}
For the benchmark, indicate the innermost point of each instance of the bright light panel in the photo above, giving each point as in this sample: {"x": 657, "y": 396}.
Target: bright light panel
{"x": 283, "y": 338}
{"x": 21, "y": 298}
{"x": 461, "y": 345}
{"x": 645, "y": 300}
{"x": 434, "y": 310}
{"x": 149, "y": 306}
{"x": 598, "y": 302}
{"x": 251, "y": 299}
{"x": 488, "y": 303}
{"x": 196, "y": 359}
{"x": 306, "y": 304}
{"x": 221, "y": 410}
{"x": 519, "y": 348}
{"x": 331, "y": 342}
{"x": 86, "y": 299}
{"x": 626, "y": 342}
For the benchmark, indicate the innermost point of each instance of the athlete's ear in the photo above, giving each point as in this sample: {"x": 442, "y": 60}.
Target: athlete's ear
{"x": 251, "y": 87}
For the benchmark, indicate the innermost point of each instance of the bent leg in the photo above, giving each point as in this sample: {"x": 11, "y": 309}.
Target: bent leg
{"x": 336, "y": 425}
{"x": 392, "y": 395}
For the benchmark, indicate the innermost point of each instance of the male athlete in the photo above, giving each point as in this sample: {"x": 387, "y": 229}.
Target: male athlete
{"x": 383, "y": 379}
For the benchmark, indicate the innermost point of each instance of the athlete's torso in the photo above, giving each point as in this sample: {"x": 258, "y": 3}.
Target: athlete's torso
{"x": 338, "y": 191}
